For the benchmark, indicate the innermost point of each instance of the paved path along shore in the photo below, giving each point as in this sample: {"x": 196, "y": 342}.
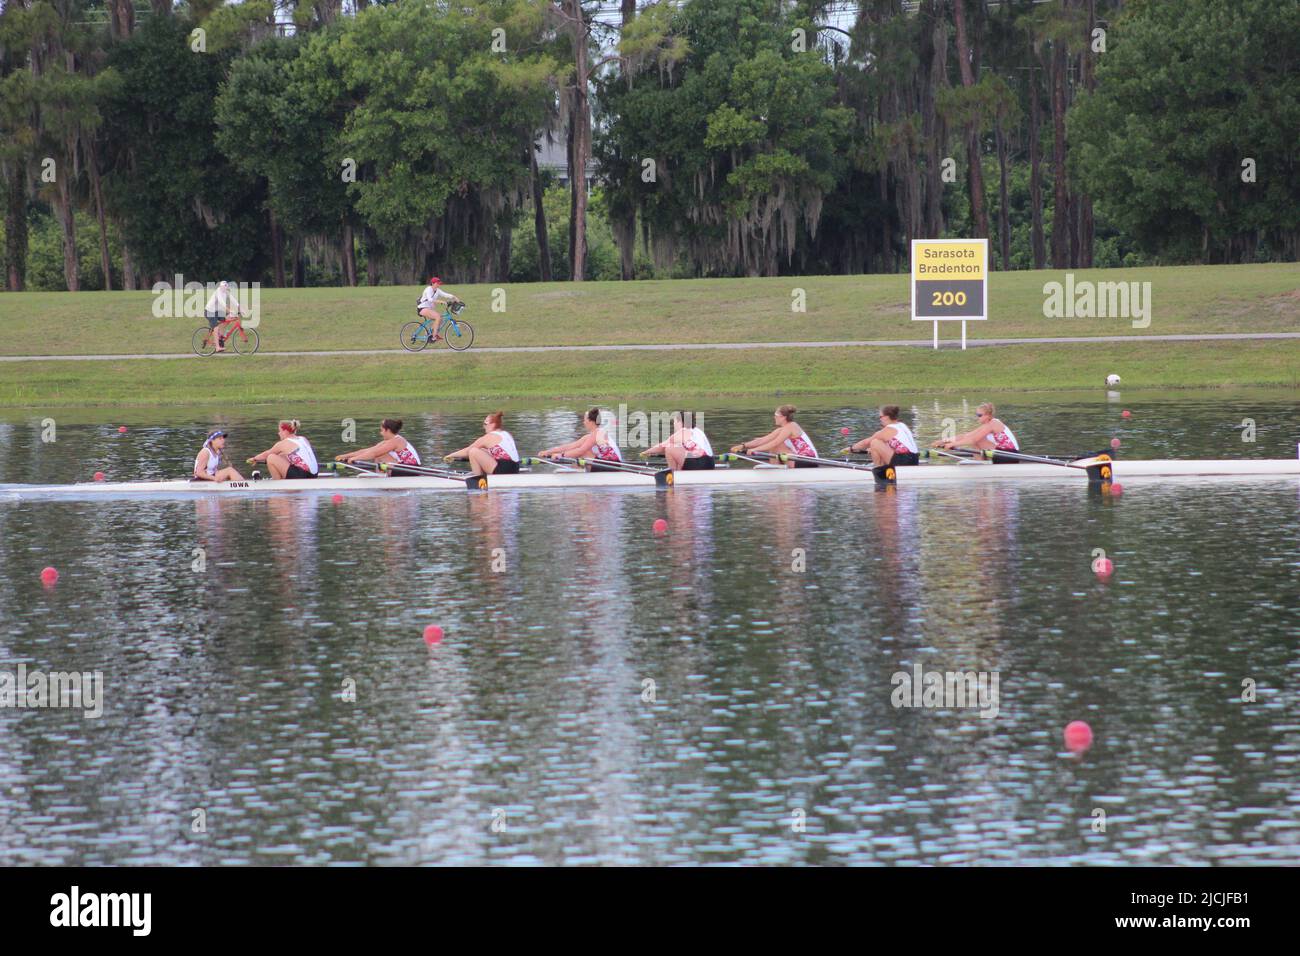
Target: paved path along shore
{"x": 706, "y": 346}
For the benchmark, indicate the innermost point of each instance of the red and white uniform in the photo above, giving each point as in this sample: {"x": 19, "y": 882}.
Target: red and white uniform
{"x": 1003, "y": 439}
{"x": 504, "y": 449}
{"x": 903, "y": 440}
{"x": 695, "y": 443}
{"x": 303, "y": 456}
{"x": 802, "y": 445}
{"x": 604, "y": 449}
{"x": 406, "y": 455}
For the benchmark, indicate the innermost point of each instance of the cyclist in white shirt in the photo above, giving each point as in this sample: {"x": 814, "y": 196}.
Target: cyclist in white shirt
{"x": 222, "y": 304}
{"x": 427, "y": 307}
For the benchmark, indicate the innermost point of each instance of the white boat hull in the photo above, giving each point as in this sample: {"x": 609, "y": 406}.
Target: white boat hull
{"x": 1131, "y": 470}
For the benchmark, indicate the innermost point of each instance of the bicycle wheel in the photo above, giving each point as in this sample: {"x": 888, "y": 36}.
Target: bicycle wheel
{"x": 245, "y": 341}
{"x": 203, "y": 342}
{"x": 414, "y": 336}
{"x": 459, "y": 335}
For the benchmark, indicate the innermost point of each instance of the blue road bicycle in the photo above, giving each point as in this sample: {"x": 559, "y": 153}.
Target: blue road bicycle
{"x": 457, "y": 333}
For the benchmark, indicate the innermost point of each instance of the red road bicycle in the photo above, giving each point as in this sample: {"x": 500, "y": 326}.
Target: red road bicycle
{"x": 244, "y": 341}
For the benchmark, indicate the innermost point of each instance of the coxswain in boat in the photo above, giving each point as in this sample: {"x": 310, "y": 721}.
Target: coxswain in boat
{"x": 493, "y": 454}
{"x": 595, "y": 444}
{"x": 991, "y": 434}
{"x": 687, "y": 448}
{"x": 207, "y": 464}
{"x": 391, "y": 448}
{"x": 893, "y": 444}
{"x": 292, "y": 456}
{"x": 788, "y": 437}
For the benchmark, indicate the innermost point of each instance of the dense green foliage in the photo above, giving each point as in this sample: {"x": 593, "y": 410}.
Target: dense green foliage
{"x": 727, "y": 137}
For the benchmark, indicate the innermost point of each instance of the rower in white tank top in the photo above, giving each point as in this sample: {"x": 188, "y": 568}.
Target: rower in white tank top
{"x": 504, "y": 449}
{"x": 492, "y": 453}
{"x": 604, "y": 449}
{"x": 407, "y": 455}
{"x": 802, "y": 445}
{"x": 211, "y": 470}
{"x": 903, "y": 440}
{"x": 303, "y": 456}
{"x": 991, "y": 434}
{"x": 214, "y": 459}
{"x": 697, "y": 445}
{"x": 1003, "y": 438}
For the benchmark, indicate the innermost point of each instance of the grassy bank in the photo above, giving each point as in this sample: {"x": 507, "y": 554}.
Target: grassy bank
{"x": 1258, "y": 298}
{"x": 617, "y": 376}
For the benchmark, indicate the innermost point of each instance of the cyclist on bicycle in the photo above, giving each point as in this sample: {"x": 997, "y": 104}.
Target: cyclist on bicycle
{"x": 427, "y": 307}
{"x": 221, "y": 307}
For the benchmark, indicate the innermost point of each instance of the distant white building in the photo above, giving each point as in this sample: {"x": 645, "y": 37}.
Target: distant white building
{"x": 554, "y": 155}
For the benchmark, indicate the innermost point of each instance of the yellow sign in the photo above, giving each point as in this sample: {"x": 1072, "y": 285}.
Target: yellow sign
{"x": 949, "y": 260}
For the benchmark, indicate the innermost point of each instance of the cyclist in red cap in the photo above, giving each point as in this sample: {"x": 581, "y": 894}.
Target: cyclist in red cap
{"x": 427, "y": 307}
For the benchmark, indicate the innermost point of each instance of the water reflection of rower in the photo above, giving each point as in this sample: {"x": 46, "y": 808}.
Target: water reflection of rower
{"x": 991, "y": 434}
{"x": 290, "y": 527}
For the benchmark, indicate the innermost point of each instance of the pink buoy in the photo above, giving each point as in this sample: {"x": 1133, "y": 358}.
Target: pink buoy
{"x": 337, "y": 499}
{"x": 1078, "y": 736}
{"x": 1126, "y": 414}
{"x": 1116, "y": 490}
{"x": 844, "y": 431}
{"x": 432, "y": 635}
{"x": 121, "y": 430}
{"x": 1103, "y": 567}
{"x": 660, "y": 526}
{"x": 1114, "y": 443}
{"x": 49, "y": 576}
{"x": 99, "y": 476}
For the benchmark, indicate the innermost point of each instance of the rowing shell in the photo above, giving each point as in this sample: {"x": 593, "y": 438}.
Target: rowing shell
{"x": 974, "y": 471}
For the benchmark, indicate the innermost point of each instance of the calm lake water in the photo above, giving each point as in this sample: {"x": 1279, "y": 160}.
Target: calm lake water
{"x": 720, "y": 694}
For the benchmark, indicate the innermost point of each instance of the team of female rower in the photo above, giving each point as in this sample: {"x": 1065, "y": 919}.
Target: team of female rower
{"x": 686, "y": 449}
